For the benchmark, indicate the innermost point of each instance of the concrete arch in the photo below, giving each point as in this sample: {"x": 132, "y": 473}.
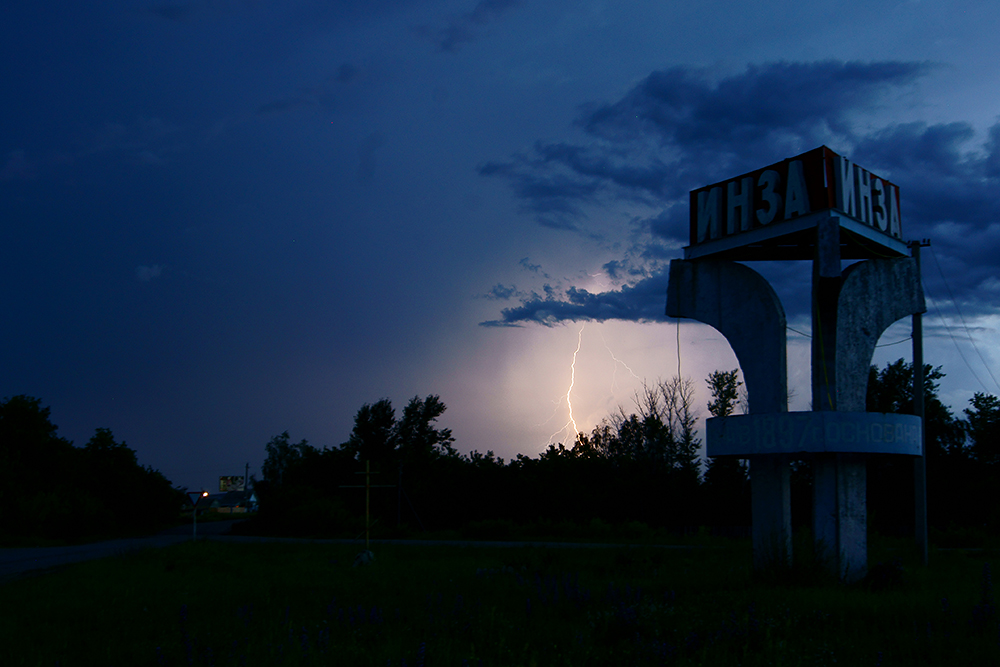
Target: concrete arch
{"x": 740, "y": 304}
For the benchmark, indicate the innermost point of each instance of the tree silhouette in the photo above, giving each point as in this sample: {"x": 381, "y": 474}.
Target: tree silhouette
{"x": 282, "y": 457}
{"x": 374, "y": 435}
{"x": 983, "y": 428}
{"x": 726, "y": 480}
{"x": 417, "y": 438}
{"x": 950, "y": 498}
{"x": 51, "y": 489}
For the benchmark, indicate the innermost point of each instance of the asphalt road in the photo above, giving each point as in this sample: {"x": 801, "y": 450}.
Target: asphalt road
{"x": 18, "y": 562}
{"x": 15, "y": 562}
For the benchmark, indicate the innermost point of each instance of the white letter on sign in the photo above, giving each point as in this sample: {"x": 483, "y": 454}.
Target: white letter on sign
{"x": 892, "y": 200}
{"x": 878, "y": 204}
{"x": 843, "y": 172}
{"x": 769, "y": 180}
{"x": 796, "y": 194}
{"x": 864, "y": 196}
{"x": 740, "y": 201}
{"x": 709, "y": 211}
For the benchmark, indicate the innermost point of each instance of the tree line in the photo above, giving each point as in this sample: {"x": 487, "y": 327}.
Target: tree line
{"x": 53, "y": 490}
{"x": 640, "y": 464}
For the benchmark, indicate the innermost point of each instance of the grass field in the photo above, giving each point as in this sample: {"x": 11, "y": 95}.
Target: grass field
{"x": 212, "y": 603}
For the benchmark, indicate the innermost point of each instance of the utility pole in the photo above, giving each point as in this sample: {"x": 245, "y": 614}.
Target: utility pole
{"x": 920, "y": 462}
{"x": 246, "y": 487}
{"x": 368, "y": 486}
{"x": 195, "y": 496}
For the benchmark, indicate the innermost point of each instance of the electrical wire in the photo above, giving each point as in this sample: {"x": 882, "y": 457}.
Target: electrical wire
{"x": 805, "y": 335}
{"x": 856, "y": 238}
{"x": 953, "y": 339}
{"x": 964, "y": 325}
{"x": 822, "y": 358}
{"x": 678, "y": 347}
{"x": 910, "y": 337}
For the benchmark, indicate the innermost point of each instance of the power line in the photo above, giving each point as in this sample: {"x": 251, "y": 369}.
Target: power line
{"x": 678, "y": 320}
{"x": 798, "y": 332}
{"x": 805, "y": 335}
{"x": 954, "y": 340}
{"x": 968, "y": 333}
{"x": 895, "y": 343}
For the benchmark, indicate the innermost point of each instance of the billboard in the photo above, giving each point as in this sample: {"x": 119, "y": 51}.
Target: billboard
{"x": 815, "y": 181}
{"x": 232, "y": 483}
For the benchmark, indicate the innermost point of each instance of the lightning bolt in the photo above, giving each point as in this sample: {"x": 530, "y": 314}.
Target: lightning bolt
{"x": 614, "y": 375}
{"x": 569, "y": 392}
{"x": 571, "y": 423}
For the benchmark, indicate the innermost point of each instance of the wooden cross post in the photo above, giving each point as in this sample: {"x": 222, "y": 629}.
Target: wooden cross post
{"x": 368, "y": 486}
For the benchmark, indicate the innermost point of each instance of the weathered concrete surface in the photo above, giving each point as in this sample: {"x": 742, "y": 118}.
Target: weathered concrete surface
{"x": 874, "y": 294}
{"x": 851, "y": 310}
{"x": 739, "y": 303}
{"x": 771, "y": 511}
{"x": 815, "y": 432}
{"x": 826, "y": 282}
{"x": 840, "y": 514}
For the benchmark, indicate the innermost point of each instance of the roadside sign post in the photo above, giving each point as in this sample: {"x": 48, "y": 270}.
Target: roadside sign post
{"x": 368, "y": 486}
{"x": 195, "y": 497}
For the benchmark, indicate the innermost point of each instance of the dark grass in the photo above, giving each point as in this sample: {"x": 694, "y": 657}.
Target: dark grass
{"x": 213, "y": 603}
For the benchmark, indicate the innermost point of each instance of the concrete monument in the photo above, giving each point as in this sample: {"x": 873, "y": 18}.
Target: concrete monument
{"x": 817, "y": 206}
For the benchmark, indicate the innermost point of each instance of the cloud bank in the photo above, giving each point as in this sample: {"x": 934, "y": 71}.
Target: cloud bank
{"x": 681, "y": 128}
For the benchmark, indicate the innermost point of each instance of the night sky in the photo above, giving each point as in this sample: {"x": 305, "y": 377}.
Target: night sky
{"x": 224, "y": 219}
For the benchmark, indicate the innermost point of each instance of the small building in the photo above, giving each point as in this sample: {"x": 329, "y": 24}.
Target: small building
{"x": 230, "y": 502}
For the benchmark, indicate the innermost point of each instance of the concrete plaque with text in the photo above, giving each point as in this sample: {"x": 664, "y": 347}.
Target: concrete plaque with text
{"x": 813, "y": 433}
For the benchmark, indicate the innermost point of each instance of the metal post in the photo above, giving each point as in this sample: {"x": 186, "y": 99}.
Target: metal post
{"x": 920, "y": 462}
{"x": 368, "y": 486}
{"x": 194, "y": 511}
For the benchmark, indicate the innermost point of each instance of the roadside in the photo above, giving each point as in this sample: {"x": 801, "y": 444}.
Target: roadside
{"x": 18, "y": 561}
{"x": 21, "y": 561}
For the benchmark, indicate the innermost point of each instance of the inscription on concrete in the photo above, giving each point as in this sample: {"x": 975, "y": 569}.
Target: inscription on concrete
{"x": 813, "y": 433}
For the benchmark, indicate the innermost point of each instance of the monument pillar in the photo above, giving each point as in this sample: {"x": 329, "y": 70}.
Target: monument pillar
{"x": 817, "y": 206}
{"x": 840, "y": 510}
{"x": 851, "y": 310}
{"x": 739, "y": 303}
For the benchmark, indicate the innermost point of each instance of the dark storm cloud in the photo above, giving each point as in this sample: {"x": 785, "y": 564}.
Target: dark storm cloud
{"x": 738, "y": 114}
{"x": 620, "y": 270}
{"x": 463, "y": 28}
{"x": 544, "y": 187}
{"x": 528, "y": 266}
{"x": 500, "y": 292}
{"x": 949, "y": 187}
{"x": 945, "y": 177}
{"x": 642, "y": 302}
{"x": 679, "y": 129}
